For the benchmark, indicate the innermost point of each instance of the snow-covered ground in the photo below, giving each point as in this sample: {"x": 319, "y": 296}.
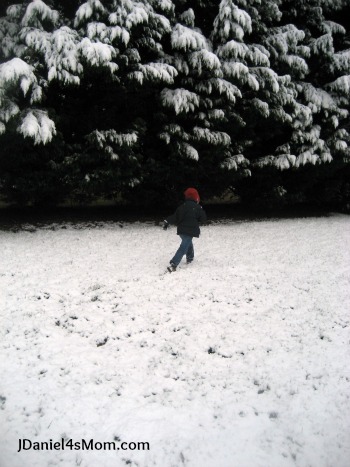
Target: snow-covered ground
{"x": 238, "y": 360}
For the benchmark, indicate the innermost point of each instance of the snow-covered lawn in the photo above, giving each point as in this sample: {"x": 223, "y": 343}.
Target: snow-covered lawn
{"x": 238, "y": 360}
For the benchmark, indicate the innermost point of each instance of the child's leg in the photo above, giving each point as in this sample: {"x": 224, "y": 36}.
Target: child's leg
{"x": 182, "y": 250}
{"x": 190, "y": 253}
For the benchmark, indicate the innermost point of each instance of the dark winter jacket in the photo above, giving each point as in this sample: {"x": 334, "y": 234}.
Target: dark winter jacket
{"x": 187, "y": 217}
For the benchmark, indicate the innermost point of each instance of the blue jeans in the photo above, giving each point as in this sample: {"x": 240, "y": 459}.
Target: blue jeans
{"x": 185, "y": 248}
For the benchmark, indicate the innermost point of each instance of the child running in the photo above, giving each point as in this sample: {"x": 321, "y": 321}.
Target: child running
{"x": 187, "y": 218}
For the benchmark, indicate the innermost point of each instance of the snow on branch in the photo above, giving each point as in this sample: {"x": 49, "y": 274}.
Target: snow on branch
{"x": 229, "y": 90}
{"x": 101, "y": 138}
{"x": 240, "y": 72}
{"x": 296, "y": 63}
{"x": 10, "y": 44}
{"x": 231, "y": 22}
{"x": 341, "y": 62}
{"x": 284, "y": 161}
{"x": 340, "y": 141}
{"x": 237, "y": 70}
{"x": 233, "y": 162}
{"x": 341, "y": 145}
{"x": 177, "y": 130}
{"x": 258, "y": 56}
{"x": 8, "y": 110}
{"x": 88, "y": 10}
{"x": 188, "y": 18}
{"x": 173, "y": 130}
{"x": 180, "y": 100}
{"x": 264, "y": 161}
{"x": 62, "y": 57}
{"x": 233, "y": 49}
{"x": 311, "y": 137}
{"x": 326, "y": 157}
{"x": 179, "y": 63}
{"x": 283, "y": 46}
{"x": 107, "y": 34}
{"x": 37, "y": 11}
{"x": 322, "y": 44}
{"x": 287, "y": 36}
{"x": 285, "y": 96}
{"x": 302, "y": 116}
{"x": 16, "y": 72}
{"x": 110, "y": 141}
{"x": 96, "y": 53}
{"x": 261, "y": 107}
{"x": 317, "y": 98}
{"x": 223, "y": 87}
{"x": 187, "y": 150}
{"x": 307, "y": 157}
{"x": 38, "y": 126}
{"x": 215, "y": 138}
{"x": 204, "y": 60}
{"x": 37, "y": 40}
{"x": 60, "y": 50}
{"x": 7, "y": 28}
{"x": 233, "y": 29}
{"x": 330, "y": 27}
{"x": 155, "y": 73}
{"x": 281, "y": 115}
{"x": 281, "y": 161}
{"x": 341, "y": 85}
{"x": 128, "y": 14}
{"x": 185, "y": 39}
{"x": 138, "y": 15}
{"x": 164, "y": 136}
{"x": 164, "y": 5}
{"x": 162, "y": 24}
{"x": 217, "y": 115}
{"x": 14, "y": 12}
{"x": 267, "y": 78}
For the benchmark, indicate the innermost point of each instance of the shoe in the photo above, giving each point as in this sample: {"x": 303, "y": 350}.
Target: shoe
{"x": 171, "y": 268}
{"x": 189, "y": 261}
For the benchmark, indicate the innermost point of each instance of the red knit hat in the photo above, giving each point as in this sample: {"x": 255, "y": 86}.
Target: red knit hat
{"x": 192, "y": 193}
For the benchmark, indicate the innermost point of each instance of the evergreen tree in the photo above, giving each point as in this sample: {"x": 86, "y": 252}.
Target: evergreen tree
{"x": 320, "y": 109}
{"x": 111, "y": 43}
{"x": 197, "y": 108}
{"x": 22, "y": 84}
{"x": 125, "y": 97}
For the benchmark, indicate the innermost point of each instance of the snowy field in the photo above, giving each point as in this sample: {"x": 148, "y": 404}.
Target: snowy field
{"x": 238, "y": 360}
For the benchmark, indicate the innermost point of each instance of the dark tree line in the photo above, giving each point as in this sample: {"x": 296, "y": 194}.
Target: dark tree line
{"x": 134, "y": 101}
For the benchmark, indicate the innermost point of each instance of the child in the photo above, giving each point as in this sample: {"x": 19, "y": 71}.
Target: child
{"x": 187, "y": 218}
